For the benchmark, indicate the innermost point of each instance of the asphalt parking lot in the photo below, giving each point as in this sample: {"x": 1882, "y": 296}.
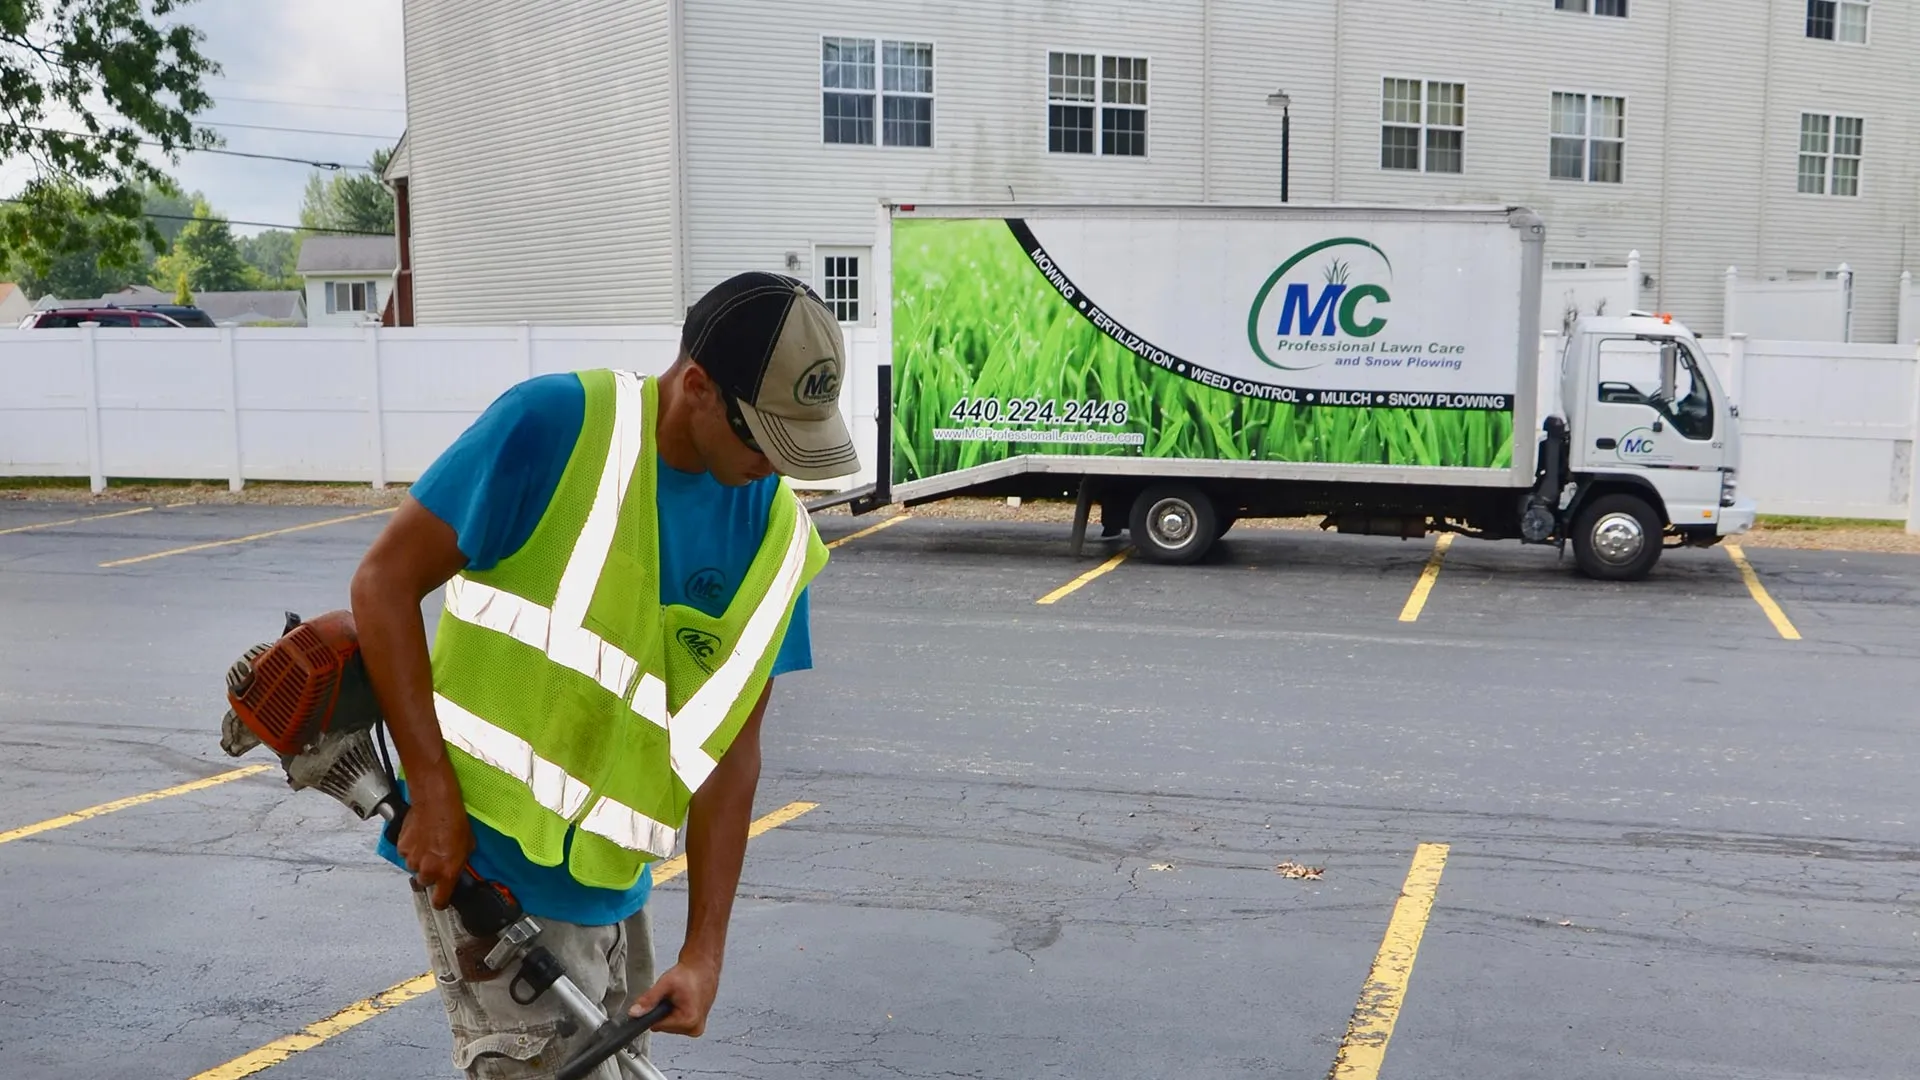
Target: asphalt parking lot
{"x": 1632, "y": 831}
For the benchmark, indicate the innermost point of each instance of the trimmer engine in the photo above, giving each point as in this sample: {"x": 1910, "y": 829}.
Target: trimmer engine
{"x": 308, "y": 699}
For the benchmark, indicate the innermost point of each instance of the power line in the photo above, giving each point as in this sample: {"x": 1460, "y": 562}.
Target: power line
{"x": 301, "y": 131}
{"x": 256, "y": 224}
{"x": 332, "y": 166}
{"x": 303, "y": 86}
{"x": 309, "y": 104}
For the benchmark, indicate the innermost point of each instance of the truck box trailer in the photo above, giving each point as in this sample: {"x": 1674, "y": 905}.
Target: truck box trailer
{"x": 1182, "y": 367}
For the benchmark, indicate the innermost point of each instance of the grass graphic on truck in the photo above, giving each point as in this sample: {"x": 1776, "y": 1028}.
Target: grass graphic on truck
{"x": 991, "y": 361}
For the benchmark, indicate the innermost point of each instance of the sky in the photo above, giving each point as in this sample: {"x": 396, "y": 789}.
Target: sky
{"x": 322, "y": 65}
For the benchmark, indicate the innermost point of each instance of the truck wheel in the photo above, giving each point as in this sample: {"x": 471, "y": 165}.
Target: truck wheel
{"x": 1173, "y": 523}
{"x": 1617, "y": 538}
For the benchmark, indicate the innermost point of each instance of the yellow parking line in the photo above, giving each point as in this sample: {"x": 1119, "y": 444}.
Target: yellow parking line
{"x": 320, "y": 1031}
{"x": 870, "y": 530}
{"x": 400, "y": 993}
{"x": 78, "y": 816}
{"x": 74, "y": 521}
{"x": 1421, "y": 588}
{"x": 246, "y": 539}
{"x": 1760, "y": 596}
{"x": 1074, "y": 586}
{"x": 1365, "y": 1047}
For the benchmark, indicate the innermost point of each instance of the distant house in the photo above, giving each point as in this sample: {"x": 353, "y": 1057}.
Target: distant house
{"x": 348, "y": 278}
{"x": 14, "y": 305}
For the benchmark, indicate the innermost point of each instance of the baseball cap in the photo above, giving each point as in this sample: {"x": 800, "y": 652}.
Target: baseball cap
{"x": 776, "y": 352}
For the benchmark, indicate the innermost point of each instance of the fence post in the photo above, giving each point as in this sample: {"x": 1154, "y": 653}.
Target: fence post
{"x": 96, "y": 470}
{"x": 1730, "y": 308}
{"x": 526, "y": 347}
{"x": 1633, "y": 282}
{"x": 236, "y": 473}
{"x": 1913, "y": 454}
{"x": 1908, "y": 331}
{"x": 376, "y": 409}
{"x": 1846, "y": 302}
{"x": 1736, "y": 365}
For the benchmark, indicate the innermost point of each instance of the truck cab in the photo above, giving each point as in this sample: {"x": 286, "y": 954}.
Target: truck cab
{"x": 1651, "y": 445}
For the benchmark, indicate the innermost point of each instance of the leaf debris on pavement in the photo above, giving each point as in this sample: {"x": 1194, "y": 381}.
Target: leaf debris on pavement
{"x": 1299, "y": 872}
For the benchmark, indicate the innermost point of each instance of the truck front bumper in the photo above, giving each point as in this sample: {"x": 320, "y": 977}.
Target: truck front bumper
{"x": 1738, "y": 519}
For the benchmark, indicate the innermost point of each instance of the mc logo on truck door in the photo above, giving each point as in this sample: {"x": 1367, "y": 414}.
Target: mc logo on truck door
{"x": 1306, "y": 298}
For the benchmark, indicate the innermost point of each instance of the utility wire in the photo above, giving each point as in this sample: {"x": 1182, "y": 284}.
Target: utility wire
{"x": 231, "y": 221}
{"x": 332, "y": 166}
{"x": 307, "y": 104}
{"x": 300, "y": 131}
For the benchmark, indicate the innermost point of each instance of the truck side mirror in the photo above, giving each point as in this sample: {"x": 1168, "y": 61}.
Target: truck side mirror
{"x": 1669, "y": 368}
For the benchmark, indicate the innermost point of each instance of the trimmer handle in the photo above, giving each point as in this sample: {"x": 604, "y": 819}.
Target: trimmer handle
{"x": 608, "y": 1040}
{"x": 485, "y": 907}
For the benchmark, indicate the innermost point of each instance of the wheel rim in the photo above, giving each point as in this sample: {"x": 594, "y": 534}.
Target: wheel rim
{"x": 1171, "y": 523}
{"x": 1618, "y": 538}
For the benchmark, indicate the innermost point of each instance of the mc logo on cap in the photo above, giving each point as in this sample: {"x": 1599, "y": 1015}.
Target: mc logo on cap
{"x": 819, "y": 384}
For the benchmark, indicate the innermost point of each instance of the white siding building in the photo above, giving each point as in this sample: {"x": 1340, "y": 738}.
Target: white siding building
{"x": 599, "y": 161}
{"x": 348, "y": 278}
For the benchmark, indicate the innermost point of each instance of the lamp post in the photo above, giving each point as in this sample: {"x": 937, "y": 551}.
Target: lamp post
{"x": 1285, "y": 102}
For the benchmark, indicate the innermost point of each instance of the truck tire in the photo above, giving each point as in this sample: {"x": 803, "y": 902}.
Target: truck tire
{"x": 1173, "y": 523}
{"x": 1617, "y": 537}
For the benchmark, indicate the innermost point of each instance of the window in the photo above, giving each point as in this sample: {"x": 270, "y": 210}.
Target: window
{"x": 1589, "y": 138}
{"x": 1838, "y": 20}
{"x": 1568, "y": 264}
{"x": 1632, "y": 372}
{"x": 837, "y": 279}
{"x": 1616, "y": 8}
{"x": 1830, "y": 154}
{"x": 1422, "y": 126}
{"x": 1096, "y": 104}
{"x": 850, "y": 89}
{"x": 345, "y": 297}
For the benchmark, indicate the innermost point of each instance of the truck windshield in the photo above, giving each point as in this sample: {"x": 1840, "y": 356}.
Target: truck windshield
{"x": 1629, "y": 374}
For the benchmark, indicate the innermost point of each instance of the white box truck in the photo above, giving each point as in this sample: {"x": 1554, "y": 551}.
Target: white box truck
{"x": 1181, "y": 367}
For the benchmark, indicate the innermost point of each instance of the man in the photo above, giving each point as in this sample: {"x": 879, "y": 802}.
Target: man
{"x": 625, "y": 576}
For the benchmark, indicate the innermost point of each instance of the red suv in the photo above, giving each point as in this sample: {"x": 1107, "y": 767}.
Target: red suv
{"x": 66, "y": 318}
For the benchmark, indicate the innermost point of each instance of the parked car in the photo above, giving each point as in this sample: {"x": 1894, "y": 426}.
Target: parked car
{"x": 185, "y": 315}
{"x": 67, "y": 318}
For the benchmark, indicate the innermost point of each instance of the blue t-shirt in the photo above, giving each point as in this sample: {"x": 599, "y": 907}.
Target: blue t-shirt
{"x": 493, "y": 485}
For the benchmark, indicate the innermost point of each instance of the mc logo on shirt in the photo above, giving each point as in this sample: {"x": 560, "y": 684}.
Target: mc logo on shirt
{"x": 707, "y": 587}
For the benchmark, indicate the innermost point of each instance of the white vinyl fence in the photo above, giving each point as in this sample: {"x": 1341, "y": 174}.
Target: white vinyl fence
{"x": 1815, "y": 310}
{"x": 370, "y": 405}
{"x": 1830, "y": 427}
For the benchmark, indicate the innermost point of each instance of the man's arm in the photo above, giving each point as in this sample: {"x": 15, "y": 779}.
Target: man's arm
{"x": 415, "y": 554}
{"x": 716, "y": 847}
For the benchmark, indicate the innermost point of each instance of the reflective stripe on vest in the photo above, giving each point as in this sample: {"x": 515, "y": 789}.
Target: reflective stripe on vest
{"x": 558, "y": 632}
{"x": 549, "y": 783}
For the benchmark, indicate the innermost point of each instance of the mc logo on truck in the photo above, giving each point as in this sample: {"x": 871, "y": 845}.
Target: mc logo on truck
{"x": 1636, "y": 443}
{"x": 1303, "y": 299}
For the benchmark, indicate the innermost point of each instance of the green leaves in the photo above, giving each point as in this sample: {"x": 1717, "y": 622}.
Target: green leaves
{"x": 84, "y": 84}
{"x": 974, "y": 319}
{"x": 205, "y": 256}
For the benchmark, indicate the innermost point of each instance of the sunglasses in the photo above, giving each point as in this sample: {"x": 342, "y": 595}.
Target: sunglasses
{"x": 739, "y": 423}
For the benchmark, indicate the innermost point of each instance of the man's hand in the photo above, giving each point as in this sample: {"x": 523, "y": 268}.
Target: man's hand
{"x": 690, "y": 985}
{"x": 435, "y": 840}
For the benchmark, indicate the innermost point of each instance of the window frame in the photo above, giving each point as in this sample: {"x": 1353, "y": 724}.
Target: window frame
{"x": 863, "y": 273}
{"x": 1098, "y": 104}
{"x": 1587, "y": 137}
{"x": 1591, "y": 9}
{"x": 1831, "y": 155}
{"x": 1866, "y": 33}
{"x": 879, "y": 93}
{"x": 1424, "y": 126}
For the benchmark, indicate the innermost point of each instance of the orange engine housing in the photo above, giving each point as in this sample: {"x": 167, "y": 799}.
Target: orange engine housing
{"x": 310, "y": 682}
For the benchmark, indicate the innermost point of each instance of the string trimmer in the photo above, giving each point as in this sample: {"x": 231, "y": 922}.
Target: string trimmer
{"x": 308, "y": 699}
